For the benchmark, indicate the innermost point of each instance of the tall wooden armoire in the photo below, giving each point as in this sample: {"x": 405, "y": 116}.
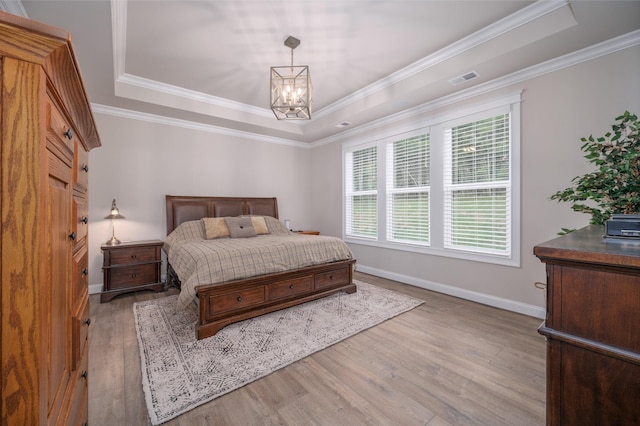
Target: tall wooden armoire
{"x": 46, "y": 132}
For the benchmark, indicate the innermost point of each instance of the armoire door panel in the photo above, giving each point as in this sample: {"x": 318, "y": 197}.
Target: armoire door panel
{"x": 58, "y": 330}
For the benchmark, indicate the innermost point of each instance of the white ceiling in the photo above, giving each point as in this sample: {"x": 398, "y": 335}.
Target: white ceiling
{"x": 208, "y": 61}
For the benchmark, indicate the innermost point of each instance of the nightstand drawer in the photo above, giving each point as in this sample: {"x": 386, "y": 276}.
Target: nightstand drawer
{"x": 129, "y": 276}
{"x": 331, "y": 278}
{"x": 133, "y": 255}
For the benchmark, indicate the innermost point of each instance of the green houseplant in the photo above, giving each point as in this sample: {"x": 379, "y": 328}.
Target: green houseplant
{"x": 614, "y": 186}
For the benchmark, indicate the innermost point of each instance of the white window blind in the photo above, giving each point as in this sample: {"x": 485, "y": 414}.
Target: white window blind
{"x": 408, "y": 180}
{"x": 477, "y": 187}
{"x": 361, "y": 193}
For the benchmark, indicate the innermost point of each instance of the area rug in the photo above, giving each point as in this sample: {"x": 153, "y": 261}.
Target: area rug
{"x": 180, "y": 373}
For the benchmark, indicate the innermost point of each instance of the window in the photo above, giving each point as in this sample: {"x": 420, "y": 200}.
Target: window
{"x": 361, "y": 193}
{"x": 449, "y": 189}
{"x": 408, "y": 177}
{"x": 477, "y": 185}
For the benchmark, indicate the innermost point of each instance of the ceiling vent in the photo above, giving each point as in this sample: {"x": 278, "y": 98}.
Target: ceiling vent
{"x": 465, "y": 77}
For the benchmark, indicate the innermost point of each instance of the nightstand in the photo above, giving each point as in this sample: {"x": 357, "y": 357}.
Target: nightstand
{"x": 308, "y": 232}
{"x": 131, "y": 266}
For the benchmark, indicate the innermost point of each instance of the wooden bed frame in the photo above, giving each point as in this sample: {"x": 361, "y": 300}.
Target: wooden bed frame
{"x": 224, "y": 303}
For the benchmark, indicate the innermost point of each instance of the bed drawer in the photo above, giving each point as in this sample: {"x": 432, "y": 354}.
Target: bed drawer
{"x": 133, "y": 255}
{"x": 288, "y": 288}
{"x": 236, "y": 300}
{"x": 331, "y": 278}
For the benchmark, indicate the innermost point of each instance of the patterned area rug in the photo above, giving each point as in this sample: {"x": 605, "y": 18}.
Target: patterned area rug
{"x": 180, "y": 373}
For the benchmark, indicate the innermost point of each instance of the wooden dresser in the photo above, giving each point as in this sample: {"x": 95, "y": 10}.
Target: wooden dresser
{"x": 592, "y": 328}
{"x": 47, "y": 130}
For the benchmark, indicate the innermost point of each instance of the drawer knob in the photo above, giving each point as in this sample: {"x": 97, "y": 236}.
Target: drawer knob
{"x": 133, "y": 256}
{"x": 84, "y": 220}
{"x": 85, "y": 168}
{"x": 331, "y": 276}
{"x": 69, "y": 133}
{"x": 88, "y": 322}
{"x": 291, "y": 287}
{"x": 134, "y": 275}
{"x": 72, "y": 236}
{"x": 84, "y": 375}
{"x": 240, "y": 299}
{"x": 85, "y": 272}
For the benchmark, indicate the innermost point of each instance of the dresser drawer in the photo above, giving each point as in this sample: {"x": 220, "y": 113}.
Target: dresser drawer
{"x": 288, "y": 288}
{"x": 80, "y": 333}
{"x": 80, "y": 217}
{"x": 78, "y": 409}
{"x": 236, "y": 300}
{"x": 81, "y": 168}
{"x": 80, "y": 274}
{"x": 132, "y": 255}
{"x": 331, "y": 278}
{"x": 129, "y": 276}
{"x": 58, "y": 126}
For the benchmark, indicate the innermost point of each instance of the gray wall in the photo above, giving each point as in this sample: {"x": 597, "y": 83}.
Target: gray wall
{"x": 557, "y": 110}
{"x": 140, "y": 162}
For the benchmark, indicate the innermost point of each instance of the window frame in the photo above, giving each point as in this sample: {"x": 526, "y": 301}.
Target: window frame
{"x": 436, "y": 126}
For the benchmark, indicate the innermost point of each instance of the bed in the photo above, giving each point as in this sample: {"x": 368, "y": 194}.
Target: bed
{"x": 232, "y": 279}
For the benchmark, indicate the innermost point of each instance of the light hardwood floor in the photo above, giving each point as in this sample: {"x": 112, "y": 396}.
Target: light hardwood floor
{"x": 447, "y": 362}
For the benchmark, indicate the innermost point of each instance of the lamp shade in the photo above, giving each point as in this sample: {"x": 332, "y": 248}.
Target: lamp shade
{"x": 115, "y": 212}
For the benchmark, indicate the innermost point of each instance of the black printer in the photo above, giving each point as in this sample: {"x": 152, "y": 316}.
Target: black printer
{"x": 623, "y": 225}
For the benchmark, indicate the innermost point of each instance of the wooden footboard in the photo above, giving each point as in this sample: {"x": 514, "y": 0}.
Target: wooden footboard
{"x": 226, "y": 303}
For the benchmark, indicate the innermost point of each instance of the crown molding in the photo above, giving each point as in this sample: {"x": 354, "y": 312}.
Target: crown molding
{"x": 15, "y": 7}
{"x": 528, "y": 14}
{"x": 192, "y": 125}
{"x": 616, "y": 44}
{"x": 593, "y": 52}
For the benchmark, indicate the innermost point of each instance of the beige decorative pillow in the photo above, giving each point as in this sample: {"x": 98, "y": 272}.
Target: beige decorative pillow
{"x": 240, "y": 227}
{"x": 215, "y": 227}
{"x": 259, "y": 225}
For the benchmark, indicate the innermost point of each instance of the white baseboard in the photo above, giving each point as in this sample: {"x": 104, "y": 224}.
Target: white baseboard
{"x": 485, "y": 299}
{"x": 95, "y": 288}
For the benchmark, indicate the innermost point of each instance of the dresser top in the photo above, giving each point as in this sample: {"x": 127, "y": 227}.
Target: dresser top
{"x": 588, "y": 245}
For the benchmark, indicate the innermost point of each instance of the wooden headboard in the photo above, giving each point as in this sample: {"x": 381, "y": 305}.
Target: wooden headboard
{"x": 182, "y": 208}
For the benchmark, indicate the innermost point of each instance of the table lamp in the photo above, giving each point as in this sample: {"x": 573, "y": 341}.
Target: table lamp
{"x": 115, "y": 214}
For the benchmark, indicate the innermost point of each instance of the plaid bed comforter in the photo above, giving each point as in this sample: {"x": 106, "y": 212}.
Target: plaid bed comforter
{"x": 199, "y": 261}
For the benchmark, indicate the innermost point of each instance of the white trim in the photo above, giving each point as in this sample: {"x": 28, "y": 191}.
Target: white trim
{"x": 500, "y": 104}
{"x": 474, "y": 296}
{"x": 192, "y": 95}
{"x": 95, "y": 288}
{"x": 616, "y": 44}
{"x": 192, "y": 125}
{"x": 499, "y": 28}
{"x": 14, "y": 7}
{"x": 517, "y": 19}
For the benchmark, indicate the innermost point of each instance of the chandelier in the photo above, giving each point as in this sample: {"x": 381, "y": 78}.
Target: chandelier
{"x": 291, "y": 89}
